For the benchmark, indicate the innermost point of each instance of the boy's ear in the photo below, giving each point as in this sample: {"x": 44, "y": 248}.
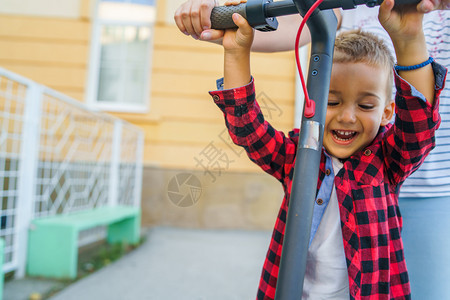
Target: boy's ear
{"x": 388, "y": 113}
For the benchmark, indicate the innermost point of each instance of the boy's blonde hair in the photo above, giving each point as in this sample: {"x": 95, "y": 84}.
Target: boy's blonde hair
{"x": 356, "y": 46}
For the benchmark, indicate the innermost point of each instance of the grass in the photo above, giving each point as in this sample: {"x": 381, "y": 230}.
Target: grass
{"x": 97, "y": 257}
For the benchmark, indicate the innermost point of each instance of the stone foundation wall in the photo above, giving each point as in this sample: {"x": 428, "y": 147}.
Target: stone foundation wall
{"x": 194, "y": 199}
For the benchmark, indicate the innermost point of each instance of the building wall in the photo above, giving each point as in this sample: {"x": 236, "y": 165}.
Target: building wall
{"x": 183, "y": 120}
{"x": 236, "y": 200}
{"x": 50, "y": 50}
{"x": 183, "y": 127}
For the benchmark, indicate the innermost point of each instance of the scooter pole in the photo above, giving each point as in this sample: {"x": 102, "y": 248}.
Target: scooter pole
{"x": 322, "y": 25}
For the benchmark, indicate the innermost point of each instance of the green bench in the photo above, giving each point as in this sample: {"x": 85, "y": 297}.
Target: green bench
{"x": 53, "y": 241}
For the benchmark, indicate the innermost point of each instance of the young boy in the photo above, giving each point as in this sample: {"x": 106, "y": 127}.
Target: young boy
{"x": 357, "y": 251}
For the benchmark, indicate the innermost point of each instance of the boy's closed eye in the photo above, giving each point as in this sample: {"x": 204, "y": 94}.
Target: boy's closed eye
{"x": 366, "y": 106}
{"x": 369, "y": 102}
{"x": 363, "y": 106}
{"x": 333, "y": 100}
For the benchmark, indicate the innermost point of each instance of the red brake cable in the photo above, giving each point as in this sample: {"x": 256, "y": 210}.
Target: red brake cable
{"x": 310, "y": 106}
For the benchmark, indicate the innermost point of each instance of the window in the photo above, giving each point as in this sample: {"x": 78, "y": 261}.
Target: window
{"x": 119, "y": 76}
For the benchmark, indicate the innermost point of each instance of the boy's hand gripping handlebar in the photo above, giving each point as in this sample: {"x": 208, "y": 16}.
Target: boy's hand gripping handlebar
{"x": 261, "y": 14}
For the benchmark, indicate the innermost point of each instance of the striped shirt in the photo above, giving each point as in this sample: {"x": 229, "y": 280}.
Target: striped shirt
{"x": 432, "y": 179}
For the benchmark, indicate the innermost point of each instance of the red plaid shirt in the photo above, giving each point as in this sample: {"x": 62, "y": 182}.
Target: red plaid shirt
{"x": 367, "y": 186}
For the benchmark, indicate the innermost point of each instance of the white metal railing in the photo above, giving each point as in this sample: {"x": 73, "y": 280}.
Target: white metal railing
{"x": 56, "y": 157}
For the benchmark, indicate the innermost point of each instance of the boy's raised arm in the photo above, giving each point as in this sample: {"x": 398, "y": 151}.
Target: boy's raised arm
{"x": 404, "y": 26}
{"x": 237, "y": 44}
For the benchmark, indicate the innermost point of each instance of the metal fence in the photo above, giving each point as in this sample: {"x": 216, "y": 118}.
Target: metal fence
{"x": 57, "y": 157}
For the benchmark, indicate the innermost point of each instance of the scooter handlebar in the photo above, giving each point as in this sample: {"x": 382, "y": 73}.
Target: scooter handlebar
{"x": 260, "y": 12}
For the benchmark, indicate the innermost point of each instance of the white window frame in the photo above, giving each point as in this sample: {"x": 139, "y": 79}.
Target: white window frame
{"x": 94, "y": 68}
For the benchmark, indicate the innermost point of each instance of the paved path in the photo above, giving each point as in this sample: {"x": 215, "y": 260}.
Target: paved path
{"x": 180, "y": 264}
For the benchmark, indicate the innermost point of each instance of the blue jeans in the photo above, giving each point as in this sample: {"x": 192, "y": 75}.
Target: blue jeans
{"x": 426, "y": 238}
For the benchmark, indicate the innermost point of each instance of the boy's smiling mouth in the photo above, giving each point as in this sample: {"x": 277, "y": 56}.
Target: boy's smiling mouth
{"x": 343, "y": 135}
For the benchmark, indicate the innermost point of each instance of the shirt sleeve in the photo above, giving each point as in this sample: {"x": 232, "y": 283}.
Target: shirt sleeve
{"x": 412, "y": 137}
{"x": 272, "y": 150}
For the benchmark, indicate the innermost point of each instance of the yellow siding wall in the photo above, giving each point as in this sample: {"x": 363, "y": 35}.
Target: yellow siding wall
{"x": 51, "y": 51}
{"x": 182, "y": 121}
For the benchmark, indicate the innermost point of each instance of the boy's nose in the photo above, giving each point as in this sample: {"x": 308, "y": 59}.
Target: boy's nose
{"x": 347, "y": 115}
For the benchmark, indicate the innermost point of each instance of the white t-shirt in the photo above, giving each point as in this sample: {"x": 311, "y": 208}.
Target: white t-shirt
{"x": 326, "y": 275}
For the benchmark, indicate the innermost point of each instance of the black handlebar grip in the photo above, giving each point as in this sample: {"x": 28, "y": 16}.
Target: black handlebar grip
{"x": 221, "y": 16}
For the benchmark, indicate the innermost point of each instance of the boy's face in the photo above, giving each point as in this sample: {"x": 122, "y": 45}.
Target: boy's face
{"x": 357, "y": 107}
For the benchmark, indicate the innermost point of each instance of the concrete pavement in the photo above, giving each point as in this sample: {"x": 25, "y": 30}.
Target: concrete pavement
{"x": 180, "y": 264}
